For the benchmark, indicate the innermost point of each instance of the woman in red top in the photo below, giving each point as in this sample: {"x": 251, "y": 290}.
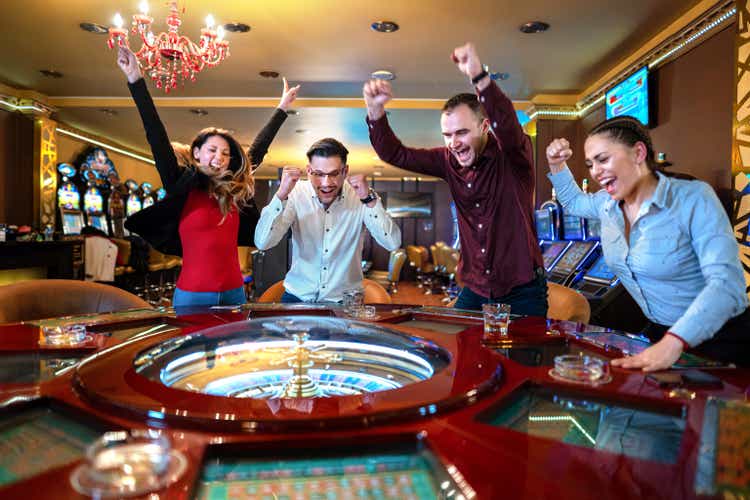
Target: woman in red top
{"x": 209, "y": 207}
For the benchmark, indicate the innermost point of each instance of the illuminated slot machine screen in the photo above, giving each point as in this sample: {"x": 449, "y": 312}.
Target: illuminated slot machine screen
{"x": 93, "y": 201}
{"x": 72, "y": 221}
{"x": 133, "y": 205}
{"x": 573, "y": 257}
{"x": 569, "y": 418}
{"x": 545, "y": 229}
{"x": 67, "y": 197}
{"x": 99, "y": 222}
{"x": 38, "y": 439}
{"x": 600, "y": 272}
{"x": 552, "y": 251}
{"x": 405, "y": 472}
{"x": 573, "y": 227}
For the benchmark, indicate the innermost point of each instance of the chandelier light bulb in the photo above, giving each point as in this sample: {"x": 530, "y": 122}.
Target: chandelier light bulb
{"x": 117, "y": 20}
{"x": 220, "y": 33}
{"x": 143, "y": 6}
{"x": 210, "y": 21}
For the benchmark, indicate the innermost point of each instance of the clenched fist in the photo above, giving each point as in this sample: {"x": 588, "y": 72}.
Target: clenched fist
{"x": 360, "y": 185}
{"x": 376, "y": 93}
{"x": 289, "y": 178}
{"x": 558, "y": 152}
{"x": 128, "y": 64}
{"x": 467, "y": 60}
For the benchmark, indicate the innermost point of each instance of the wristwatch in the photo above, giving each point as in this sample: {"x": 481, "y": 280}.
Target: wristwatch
{"x": 478, "y": 78}
{"x": 371, "y": 196}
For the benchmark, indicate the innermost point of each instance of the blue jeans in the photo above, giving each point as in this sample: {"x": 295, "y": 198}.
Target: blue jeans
{"x": 529, "y": 299}
{"x": 288, "y": 298}
{"x": 184, "y": 298}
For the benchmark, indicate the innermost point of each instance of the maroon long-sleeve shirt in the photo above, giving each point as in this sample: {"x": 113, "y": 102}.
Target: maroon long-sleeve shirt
{"x": 494, "y": 197}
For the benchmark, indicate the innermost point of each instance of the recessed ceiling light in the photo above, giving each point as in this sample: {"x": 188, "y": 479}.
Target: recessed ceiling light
{"x": 237, "y": 27}
{"x": 383, "y": 74}
{"x": 300, "y": 131}
{"x": 109, "y": 112}
{"x": 51, "y": 73}
{"x": 98, "y": 29}
{"x": 199, "y": 111}
{"x": 377, "y": 173}
{"x": 384, "y": 26}
{"x": 269, "y": 74}
{"x": 534, "y": 27}
{"x": 292, "y": 112}
{"x": 499, "y": 76}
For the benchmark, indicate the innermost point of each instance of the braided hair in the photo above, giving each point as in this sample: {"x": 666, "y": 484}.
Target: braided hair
{"x": 629, "y": 131}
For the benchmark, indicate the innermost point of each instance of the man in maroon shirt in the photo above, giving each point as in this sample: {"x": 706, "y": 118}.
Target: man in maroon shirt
{"x": 487, "y": 162}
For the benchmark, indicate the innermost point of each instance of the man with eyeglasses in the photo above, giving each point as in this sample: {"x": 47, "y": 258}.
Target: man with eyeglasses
{"x": 488, "y": 164}
{"x": 326, "y": 214}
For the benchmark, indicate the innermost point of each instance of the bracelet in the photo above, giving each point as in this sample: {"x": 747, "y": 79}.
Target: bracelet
{"x": 480, "y": 76}
{"x": 371, "y": 196}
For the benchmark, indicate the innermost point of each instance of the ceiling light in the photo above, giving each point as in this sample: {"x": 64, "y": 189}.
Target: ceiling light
{"x": 384, "y": 26}
{"x": 383, "y": 74}
{"x": 300, "y": 131}
{"x": 292, "y": 112}
{"x": 94, "y": 28}
{"x": 534, "y": 27}
{"x": 269, "y": 74}
{"x": 109, "y": 112}
{"x": 377, "y": 173}
{"x": 199, "y": 111}
{"x": 237, "y": 27}
{"x": 51, "y": 73}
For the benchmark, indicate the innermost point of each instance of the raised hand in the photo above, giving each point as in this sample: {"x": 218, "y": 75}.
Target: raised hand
{"x": 467, "y": 60}
{"x": 128, "y": 64}
{"x": 288, "y": 96}
{"x": 360, "y": 185}
{"x": 558, "y": 152}
{"x": 289, "y": 178}
{"x": 376, "y": 93}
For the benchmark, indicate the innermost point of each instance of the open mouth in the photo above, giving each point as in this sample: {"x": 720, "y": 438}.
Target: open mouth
{"x": 326, "y": 191}
{"x": 608, "y": 183}
{"x": 462, "y": 155}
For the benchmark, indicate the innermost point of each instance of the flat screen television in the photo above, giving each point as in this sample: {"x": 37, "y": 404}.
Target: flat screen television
{"x": 631, "y": 97}
{"x": 401, "y": 205}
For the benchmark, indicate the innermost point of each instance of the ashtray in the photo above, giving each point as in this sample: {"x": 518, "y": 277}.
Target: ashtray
{"x": 127, "y": 464}
{"x": 63, "y": 336}
{"x": 581, "y": 369}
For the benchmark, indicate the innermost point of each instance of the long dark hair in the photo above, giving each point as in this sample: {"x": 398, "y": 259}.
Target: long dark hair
{"x": 237, "y": 189}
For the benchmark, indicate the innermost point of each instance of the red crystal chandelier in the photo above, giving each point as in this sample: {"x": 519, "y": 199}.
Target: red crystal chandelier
{"x": 169, "y": 56}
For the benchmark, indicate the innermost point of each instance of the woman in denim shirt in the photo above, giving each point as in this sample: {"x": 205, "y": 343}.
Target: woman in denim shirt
{"x": 669, "y": 241}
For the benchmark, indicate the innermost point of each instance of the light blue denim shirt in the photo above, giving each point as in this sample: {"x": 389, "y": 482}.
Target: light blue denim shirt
{"x": 682, "y": 264}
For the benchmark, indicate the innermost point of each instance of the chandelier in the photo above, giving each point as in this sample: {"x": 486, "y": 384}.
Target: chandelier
{"x": 169, "y": 57}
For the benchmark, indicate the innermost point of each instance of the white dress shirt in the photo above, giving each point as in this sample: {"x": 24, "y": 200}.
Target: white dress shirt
{"x": 326, "y": 243}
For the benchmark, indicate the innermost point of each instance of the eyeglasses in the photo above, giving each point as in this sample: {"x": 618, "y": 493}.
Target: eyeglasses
{"x": 320, "y": 175}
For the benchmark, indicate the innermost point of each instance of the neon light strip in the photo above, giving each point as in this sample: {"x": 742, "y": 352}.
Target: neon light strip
{"x": 15, "y": 107}
{"x": 564, "y": 418}
{"x": 104, "y": 145}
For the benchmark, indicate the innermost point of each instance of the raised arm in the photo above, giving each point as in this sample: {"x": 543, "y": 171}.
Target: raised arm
{"x": 156, "y": 134}
{"x": 500, "y": 111}
{"x": 278, "y": 216}
{"x": 388, "y": 147}
{"x": 573, "y": 200}
{"x": 263, "y": 140}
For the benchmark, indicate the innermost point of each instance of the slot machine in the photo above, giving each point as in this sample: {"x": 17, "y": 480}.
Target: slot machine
{"x": 576, "y": 257}
{"x": 553, "y": 207}
{"x": 161, "y": 193}
{"x": 98, "y": 172}
{"x": 116, "y": 207}
{"x": 70, "y": 217}
{"x": 133, "y": 202}
{"x": 93, "y": 203}
{"x": 149, "y": 197}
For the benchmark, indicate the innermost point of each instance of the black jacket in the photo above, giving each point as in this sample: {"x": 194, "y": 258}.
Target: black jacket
{"x": 159, "y": 223}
